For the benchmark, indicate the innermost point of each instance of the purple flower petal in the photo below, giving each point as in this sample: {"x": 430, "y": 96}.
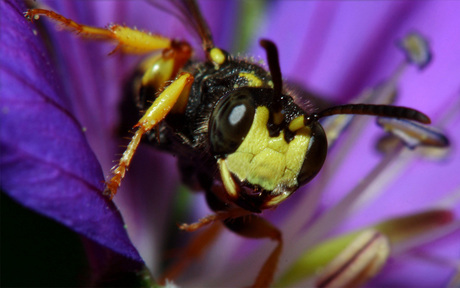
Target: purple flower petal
{"x": 46, "y": 162}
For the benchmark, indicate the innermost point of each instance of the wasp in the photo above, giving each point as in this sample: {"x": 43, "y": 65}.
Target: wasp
{"x": 237, "y": 131}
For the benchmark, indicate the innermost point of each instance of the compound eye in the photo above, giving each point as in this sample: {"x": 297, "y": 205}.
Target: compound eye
{"x": 230, "y": 122}
{"x": 315, "y": 156}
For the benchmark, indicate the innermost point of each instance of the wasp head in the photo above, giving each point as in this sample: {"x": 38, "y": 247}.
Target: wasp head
{"x": 265, "y": 150}
{"x": 266, "y": 146}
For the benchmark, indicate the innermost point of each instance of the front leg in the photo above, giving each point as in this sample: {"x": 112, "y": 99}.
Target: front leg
{"x": 159, "y": 109}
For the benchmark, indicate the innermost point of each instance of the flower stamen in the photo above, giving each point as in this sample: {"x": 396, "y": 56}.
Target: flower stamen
{"x": 361, "y": 260}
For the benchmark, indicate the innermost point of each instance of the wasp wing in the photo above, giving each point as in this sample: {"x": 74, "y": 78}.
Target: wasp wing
{"x": 188, "y": 12}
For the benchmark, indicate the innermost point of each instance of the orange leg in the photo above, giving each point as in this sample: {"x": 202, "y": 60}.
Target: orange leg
{"x": 218, "y": 216}
{"x": 194, "y": 249}
{"x": 129, "y": 40}
{"x": 247, "y": 225}
{"x": 253, "y": 226}
{"x": 159, "y": 109}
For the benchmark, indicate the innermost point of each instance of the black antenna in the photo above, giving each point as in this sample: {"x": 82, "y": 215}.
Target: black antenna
{"x": 201, "y": 25}
{"x": 373, "y": 110}
{"x": 274, "y": 66}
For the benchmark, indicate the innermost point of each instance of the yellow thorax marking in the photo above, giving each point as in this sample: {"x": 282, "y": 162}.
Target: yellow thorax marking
{"x": 253, "y": 80}
{"x": 269, "y": 162}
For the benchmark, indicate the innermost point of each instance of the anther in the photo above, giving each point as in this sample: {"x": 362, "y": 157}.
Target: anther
{"x": 416, "y": 49}
{"x": 359, "y": 262}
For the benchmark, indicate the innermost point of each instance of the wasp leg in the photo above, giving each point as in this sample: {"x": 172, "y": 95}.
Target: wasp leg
{"x": 218, "y": 216}
{"x": 249, "y": 226}
{"x": 162, "y": 105}
{"x": 194, "y": 249}
{"x": 253, "y": 226}
{"x": 129, "y": 40}
{"x": 155, "y": 72}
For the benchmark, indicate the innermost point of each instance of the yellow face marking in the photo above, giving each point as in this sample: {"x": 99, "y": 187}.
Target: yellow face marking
{"x": 217, "y": 56}
{"x": 253, "y": 80}
{"x": 277, "y": 199}
{"x": 297, "y": 123}
{"x": 269, "y": 162}
{"x": 227, "y": 179}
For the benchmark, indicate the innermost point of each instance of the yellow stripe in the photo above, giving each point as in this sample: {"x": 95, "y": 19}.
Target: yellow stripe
{"x": 227, "y": 179}
{"x": 253, "y": 80}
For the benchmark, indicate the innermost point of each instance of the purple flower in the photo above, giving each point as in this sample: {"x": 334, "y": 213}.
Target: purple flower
{"x": 59, "y": 109}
